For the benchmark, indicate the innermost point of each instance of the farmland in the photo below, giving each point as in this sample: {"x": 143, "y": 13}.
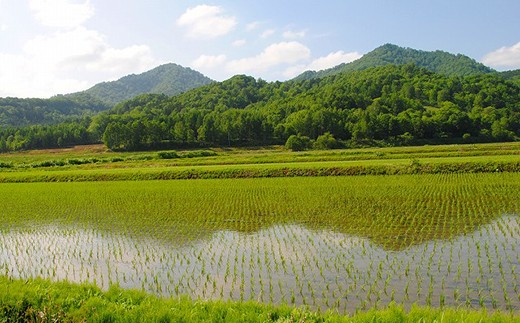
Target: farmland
{"x": 341, "y": 243}
{"x": 440, "y": 229}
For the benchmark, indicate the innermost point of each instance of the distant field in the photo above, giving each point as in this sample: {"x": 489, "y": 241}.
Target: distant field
{"x": 94, "y": 163}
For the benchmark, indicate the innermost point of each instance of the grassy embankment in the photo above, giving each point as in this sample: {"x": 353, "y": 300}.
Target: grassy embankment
{"x": 95, "y": 164}
{"x": 43, "y": 301}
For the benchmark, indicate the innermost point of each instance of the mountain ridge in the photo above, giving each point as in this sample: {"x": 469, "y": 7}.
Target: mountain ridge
{"x": 389, "y": 54}
{"x": 169, "y": 79}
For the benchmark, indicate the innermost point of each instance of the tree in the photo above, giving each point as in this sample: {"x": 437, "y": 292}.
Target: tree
{"x": 326, "y": 141}
{"x": 297, "y": 142}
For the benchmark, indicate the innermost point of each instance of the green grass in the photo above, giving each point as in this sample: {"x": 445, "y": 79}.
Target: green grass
{"x": 498, "y": 163}
{"x": 44, "y": 301}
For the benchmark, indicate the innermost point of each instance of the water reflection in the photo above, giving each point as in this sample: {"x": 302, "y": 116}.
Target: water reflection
{"x": 291, "y": 263}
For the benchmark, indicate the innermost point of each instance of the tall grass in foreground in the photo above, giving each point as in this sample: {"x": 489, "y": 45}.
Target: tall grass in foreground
{"x": 44, "y": 301}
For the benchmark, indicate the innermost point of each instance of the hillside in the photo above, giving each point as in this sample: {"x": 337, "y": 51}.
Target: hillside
{"x": 513, "y": 76}
{"x": 391, "y": 104}
{"x": 15, "y": 112}
{"x": 387, "y": 105}
{"x": 436, "y": 61}
{"x": 168, "y": 79}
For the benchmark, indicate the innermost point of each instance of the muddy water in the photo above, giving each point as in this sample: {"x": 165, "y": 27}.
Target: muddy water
{"x": 285, "y": 263}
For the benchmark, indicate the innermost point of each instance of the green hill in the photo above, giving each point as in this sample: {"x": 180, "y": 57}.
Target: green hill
{"x": 513, "y": 76}
{"x": 168, "y": 79}
{"x": 386, "y": 105}
{"x": 15, "y": 112}
{"x": 389, "y": 104}
{"x": 436, "y": 61}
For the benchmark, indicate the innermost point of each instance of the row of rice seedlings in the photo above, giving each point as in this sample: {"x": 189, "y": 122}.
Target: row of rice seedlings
{"x": 342, "y": 243}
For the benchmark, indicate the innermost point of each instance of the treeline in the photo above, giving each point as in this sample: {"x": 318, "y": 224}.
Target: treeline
{"x": 394, "y": 105}
{"x": 64, "y": 134}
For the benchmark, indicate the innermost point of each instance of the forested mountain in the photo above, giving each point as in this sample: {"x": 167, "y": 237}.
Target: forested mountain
{"x": 391, "y": 105}
{"x": 15, "y": 112}
{"x": 513, "y": 76}
{"x": 437, "y": 61}
{"x": 168, "y": 79}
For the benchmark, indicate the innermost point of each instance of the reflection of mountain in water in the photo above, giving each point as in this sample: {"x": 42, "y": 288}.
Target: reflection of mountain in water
{"x": 282, "y": 263}
{"x": 394, "y": 212}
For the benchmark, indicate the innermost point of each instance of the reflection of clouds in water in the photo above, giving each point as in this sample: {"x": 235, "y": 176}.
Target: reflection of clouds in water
{"x": 282, "y": 263}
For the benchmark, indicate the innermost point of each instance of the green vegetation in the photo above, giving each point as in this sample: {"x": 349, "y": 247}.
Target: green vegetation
{"x": 15, "y": 113}
{"x": 393, "y": 105}
{"x": 42, "y": 301}
{"x": 513, "y": 76}
{"x": 388, "y": 54}
{"x": 167, "y": 79}
{"x": 341, "y": 243}
{"x": 94, "y": 163}
{"x": 387, "y": 105}
{"x": 442, "y": 234}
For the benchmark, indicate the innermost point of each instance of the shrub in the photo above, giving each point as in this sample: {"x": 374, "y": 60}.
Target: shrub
{"x": 168, "y": 154}
{"x": 326, "y": 141}
{"x": 297, "y": 142}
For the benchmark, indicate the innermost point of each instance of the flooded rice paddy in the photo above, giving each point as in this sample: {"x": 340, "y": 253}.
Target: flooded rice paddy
{"x": 345, "y": 244}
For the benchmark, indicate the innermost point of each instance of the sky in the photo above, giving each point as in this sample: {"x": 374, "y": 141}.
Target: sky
{"x": 50, "y": 47}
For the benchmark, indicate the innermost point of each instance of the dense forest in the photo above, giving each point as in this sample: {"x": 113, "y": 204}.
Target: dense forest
{"x": 389, "y": 105}
{"x": 168, "y": 79}
{"x": 389, "y": 54}
{"x": 15, "y": 112}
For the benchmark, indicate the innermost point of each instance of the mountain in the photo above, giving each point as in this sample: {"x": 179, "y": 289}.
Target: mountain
{"x": 15, "y": 112}
{"x": 436, "y": 61}
{"x": 513, "y": 76}
{"x": 169, "y": 79}
{"x": 390, "y": 105}
{"x": 393, "y": 104}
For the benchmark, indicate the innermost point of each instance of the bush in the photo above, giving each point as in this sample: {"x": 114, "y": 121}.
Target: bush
{"x": 326, "y": 141}
{"x": 297, "y": 143}
{"x": 198, "y": 153}
{"x": 168, "y": 154}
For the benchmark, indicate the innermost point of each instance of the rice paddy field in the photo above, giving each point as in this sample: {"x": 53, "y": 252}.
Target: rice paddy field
{"x": 344, "y": 243}
{"x": 343, "y": 231}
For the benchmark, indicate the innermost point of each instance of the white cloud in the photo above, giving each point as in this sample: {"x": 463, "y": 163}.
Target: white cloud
{"x": 273, "y": 55}
{"x": 267, "y": 33}
{"x": 239, "y": 43}
{"x": 252, "y": 26}
{"x": 3, "y": 27}
{"x": 324, "y": 62}
{"x": 333, "y": 59}
{"x": 505, "y": 57}
{"x": 68, "y": 61}
{"x": 293, "y": 34}
{"x": 61, "y": 13}
{"x": 206, "y": 21}
{"x": 209, "y": 61}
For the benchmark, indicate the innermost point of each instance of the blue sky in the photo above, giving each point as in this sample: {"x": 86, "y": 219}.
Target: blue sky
{"x": 50, "y": 47}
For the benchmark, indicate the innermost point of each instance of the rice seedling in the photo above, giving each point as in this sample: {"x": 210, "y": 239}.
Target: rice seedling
{"x": 341, "y": 243}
